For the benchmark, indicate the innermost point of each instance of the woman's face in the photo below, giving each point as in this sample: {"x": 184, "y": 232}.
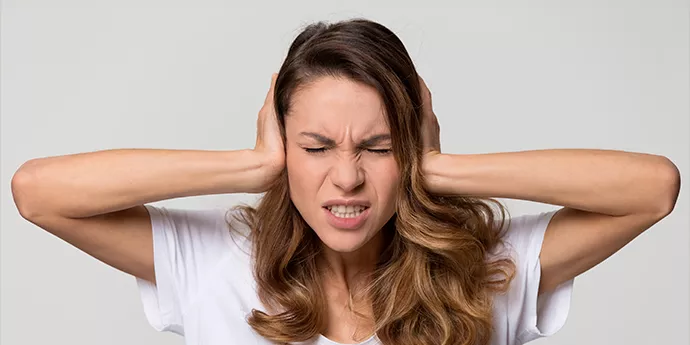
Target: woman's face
{"x": 342, "y": 173}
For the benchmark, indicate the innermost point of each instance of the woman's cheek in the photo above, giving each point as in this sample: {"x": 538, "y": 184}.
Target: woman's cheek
{"x": 309, "y": 172}
{"x": 386, "y": 168}
{"x": 390, "y": 176}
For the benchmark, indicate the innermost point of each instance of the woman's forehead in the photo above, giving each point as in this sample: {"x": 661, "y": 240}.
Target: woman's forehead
{"x": 337, "y": 96}
{"x": 337, "y": 106}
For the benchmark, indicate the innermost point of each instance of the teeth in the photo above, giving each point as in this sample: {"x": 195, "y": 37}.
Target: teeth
{"x": 343, "y": 211}
{"x": 346, "y": 209}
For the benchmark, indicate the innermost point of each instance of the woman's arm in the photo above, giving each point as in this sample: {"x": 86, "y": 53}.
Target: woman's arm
{"x": 95, "y": 200}
{"x": 614, "y": 183}
{"x": 610, "y": 197}
{"x": 88, "y": 184}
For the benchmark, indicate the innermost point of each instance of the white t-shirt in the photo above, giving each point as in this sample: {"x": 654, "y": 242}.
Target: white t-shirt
{"x": 205, "y": 287}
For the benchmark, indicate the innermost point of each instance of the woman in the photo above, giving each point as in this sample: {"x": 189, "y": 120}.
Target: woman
{"x": 367, "y": 233}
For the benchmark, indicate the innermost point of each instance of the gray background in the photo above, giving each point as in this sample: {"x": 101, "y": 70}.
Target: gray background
{"x": 506, "y": 76}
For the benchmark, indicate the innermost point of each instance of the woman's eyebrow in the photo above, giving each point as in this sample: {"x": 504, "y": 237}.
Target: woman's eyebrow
{"x": 320, "y": 138}
{"x": 371, "y": 141}
{"x": 374, "y": 140}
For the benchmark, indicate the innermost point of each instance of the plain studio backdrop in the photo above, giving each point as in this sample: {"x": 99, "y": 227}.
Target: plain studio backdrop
{"x": 506, "y": 75}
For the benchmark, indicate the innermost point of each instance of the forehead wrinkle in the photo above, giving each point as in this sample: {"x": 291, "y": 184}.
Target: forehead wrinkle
{"x": 372, "y": 140}
{"x": 334, "y": 110}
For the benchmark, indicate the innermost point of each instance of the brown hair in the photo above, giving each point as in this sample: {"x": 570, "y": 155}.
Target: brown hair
{"x": 433, "y": 283}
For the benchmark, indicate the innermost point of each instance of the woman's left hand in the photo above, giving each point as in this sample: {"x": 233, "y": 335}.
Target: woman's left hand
{"x": 431, "y": 138}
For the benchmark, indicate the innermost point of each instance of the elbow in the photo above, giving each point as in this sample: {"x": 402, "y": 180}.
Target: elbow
{"x": 670, "y": 180}
{"x": 21, "y": 185}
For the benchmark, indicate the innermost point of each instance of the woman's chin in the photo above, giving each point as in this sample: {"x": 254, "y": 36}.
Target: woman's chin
{"x": 344, "y": 242}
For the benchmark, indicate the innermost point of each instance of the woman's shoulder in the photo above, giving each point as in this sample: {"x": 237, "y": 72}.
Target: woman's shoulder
{"x": 522, "y": 234}
{"x": 196, "y": 252}
{"x": 212, "y": 231}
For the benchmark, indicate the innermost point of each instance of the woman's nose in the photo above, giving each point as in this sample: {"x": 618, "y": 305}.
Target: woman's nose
{"x": 347, "y": 174}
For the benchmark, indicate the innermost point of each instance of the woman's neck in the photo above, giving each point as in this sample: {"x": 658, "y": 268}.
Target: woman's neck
{"x": 351, "y": 270}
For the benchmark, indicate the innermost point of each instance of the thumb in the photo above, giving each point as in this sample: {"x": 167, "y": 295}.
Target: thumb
{"x": 269, "y": 95}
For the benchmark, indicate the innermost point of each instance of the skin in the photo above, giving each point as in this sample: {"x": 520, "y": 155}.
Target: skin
{"x": 326, "y": 159}
{"x": 330, "y": 154}
{"x": 608, "y": 197}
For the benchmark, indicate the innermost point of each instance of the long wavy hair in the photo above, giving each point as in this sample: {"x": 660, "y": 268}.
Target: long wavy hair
{"x": 433, "y": 282}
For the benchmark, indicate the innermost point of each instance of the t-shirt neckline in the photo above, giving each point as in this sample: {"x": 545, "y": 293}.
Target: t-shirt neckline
{"x": 325, "y": 341}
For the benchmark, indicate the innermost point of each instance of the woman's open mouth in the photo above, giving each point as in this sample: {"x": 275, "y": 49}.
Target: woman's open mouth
{"x": 346, "y": 211}
{"x": 346, "y": 217}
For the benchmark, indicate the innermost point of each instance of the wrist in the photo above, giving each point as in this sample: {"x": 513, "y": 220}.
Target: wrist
{"x": 268, "y": 168}
{"x": 432, "y": 169}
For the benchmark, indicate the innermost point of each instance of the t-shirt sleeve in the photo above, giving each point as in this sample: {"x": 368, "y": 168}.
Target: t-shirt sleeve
{"x": 531, "y": 315}
{"x": 187, "y": 244}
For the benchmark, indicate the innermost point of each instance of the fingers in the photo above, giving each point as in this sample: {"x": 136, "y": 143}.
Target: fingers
{"x": 266, "y": 109}
{"x": 269, "y": 95}
{"x": 426, "y": 93}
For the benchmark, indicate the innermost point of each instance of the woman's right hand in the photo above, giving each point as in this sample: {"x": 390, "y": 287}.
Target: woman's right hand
{"x": 269, "y": 143}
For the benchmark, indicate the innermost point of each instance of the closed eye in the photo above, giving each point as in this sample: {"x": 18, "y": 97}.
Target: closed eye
{"x": 323, "y": 149}
{"x": 380, "y": 151}
{"x": 315, "y": 150}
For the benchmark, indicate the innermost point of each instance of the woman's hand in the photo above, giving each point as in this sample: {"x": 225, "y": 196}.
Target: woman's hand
{"x": 269, "y": 143}
{"x": 431, "y": 140}
{"x": 430, "y": 129}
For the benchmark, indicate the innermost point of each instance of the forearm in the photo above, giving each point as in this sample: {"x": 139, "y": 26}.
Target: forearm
{"x": 603, "y": 181}
{"x": 87, "y": 184}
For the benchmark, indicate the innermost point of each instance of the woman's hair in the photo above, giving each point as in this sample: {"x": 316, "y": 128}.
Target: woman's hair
{"x": 433, "y": 283}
